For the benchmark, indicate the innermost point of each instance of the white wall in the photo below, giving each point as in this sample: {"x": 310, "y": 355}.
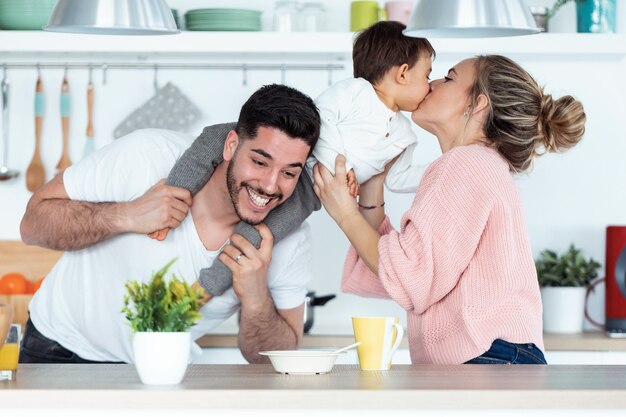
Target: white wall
{"x": 568, "y": 198}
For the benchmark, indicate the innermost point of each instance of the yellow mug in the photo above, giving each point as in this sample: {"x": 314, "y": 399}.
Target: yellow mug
{"x": 364, "y": 14}
{"x": 380, "y": 338}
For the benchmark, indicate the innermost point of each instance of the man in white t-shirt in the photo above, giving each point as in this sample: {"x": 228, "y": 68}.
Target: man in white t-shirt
{"x": 100, "y": 210}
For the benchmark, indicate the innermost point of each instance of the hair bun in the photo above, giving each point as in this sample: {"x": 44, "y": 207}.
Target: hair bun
{"x": 561, "y": 122}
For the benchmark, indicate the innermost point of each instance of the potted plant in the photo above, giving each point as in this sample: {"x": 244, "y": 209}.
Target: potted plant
{"x": 160, "y": 313}
{"x": 564, "y": 280}
{"x": 592, "y": 16}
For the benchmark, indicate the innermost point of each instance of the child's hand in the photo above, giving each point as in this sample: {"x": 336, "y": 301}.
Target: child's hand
{"x": 159, "y": 234}
{"x": 353, "y": 185}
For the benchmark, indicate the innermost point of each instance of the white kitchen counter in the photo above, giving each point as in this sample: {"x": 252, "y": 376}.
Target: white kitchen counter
{"x": 258, "y": 387}
{"x": 589, "y": 341}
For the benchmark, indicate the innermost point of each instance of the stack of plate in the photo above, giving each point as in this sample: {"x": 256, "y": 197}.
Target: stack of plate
{"x": 223, "y": 20}
{"x": 25, "y": 14}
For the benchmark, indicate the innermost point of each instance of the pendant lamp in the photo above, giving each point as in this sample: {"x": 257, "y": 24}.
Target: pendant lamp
{"x": 112, "y": 17}
{"x": 470, "y": 19}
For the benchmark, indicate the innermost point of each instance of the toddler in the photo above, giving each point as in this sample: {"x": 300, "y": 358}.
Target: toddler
{"x": 360, "y": 119}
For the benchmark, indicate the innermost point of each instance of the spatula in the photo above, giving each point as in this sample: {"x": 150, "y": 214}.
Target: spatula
{"x": 89, "y": 145}
{"x": 35, "y": 173}
{"x": 65, "y": 161}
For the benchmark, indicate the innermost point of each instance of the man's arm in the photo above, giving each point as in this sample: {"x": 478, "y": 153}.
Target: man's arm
{"x": 54, "y": 221}
{"x": 265, "y": 328}
{"x": 262, "y": 326}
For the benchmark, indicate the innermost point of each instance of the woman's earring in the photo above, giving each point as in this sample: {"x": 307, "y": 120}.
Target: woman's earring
{"x": 465, "y": 114}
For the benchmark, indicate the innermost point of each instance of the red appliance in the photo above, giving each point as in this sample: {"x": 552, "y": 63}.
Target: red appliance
{"x": 616, "y": 281}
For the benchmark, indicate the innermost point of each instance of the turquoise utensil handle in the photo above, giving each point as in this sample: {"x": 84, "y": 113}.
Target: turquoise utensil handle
{"x": 39, "y": 104}
{"x": 65, "y": 104}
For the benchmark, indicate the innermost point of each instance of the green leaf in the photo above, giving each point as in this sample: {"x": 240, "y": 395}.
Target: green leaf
{"x": 160, "y": 305}
{"x": 570, "y": 269}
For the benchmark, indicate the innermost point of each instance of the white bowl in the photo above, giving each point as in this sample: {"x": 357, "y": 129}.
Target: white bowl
{"x": 301, "y": 362}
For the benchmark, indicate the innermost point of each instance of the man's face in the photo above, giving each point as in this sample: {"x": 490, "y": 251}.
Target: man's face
{"x": 263, "y": 172}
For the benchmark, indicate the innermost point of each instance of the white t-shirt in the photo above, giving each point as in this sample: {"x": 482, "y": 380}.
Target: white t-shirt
{"x": 79, "y": 303}
{"x": 357, "y": 124}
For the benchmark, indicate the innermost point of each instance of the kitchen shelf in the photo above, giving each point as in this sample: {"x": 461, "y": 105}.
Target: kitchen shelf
{"x": 322, "y": 45}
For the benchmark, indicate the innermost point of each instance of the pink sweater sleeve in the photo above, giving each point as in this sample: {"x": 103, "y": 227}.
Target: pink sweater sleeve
{"x": 420, "y": 264}
{"x": 357, "y": 278}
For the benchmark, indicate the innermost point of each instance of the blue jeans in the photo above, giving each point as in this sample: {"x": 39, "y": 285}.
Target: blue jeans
{"x": 37, "y": 348}
{"x": 502, "y": 352}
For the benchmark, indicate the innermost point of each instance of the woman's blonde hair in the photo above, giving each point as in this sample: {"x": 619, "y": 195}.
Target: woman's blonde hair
{"x": 523, "y": 122}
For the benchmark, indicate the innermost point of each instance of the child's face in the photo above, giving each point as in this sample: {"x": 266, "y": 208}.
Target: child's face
{"x": 417, "y": 84}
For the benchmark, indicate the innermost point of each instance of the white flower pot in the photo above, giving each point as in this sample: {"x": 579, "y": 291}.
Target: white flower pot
{"x": 161, "y": 358}
{"x": 563, "y": 309}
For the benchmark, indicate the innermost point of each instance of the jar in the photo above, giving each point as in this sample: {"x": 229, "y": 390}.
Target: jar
{"x": 540, "y": 14}
{"x": 312, "y": 17}
{"x": 286, "y": 16}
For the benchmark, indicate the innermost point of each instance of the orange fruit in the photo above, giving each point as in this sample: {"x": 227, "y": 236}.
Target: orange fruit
{"x": 33, "y": 286}
{"x": 13, "y": 283}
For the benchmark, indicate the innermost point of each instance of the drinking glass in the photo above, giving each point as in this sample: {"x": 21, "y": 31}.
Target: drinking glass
{"x": 6, "y": 317}
{"x": 9, "y": 354}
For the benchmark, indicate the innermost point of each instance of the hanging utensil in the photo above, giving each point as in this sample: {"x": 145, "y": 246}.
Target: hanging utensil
{"x": 36, "y": 173}
{"x": 65, "y": 161}
{"x": 5, "y": 172}
{"x": 89, "y": 142}
{"x": 168, "y": 109}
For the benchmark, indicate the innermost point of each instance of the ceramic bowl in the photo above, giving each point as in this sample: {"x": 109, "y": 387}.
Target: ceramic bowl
{"x": 301, "y": 362}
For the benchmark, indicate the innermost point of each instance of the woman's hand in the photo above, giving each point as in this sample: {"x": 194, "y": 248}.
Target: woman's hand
{"x": 334, "y": 192}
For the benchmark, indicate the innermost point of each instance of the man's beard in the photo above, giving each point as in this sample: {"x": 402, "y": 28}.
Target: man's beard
{"x": 234, "y": 189}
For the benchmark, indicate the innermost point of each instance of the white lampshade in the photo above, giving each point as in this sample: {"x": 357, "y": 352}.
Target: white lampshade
{"x": 470, "y": 19}
{"x": 112, "y": 17}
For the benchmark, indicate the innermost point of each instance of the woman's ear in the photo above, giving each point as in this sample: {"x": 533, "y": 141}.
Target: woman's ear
{"x": 482, "y": 103}
{"x": 230, "y": 146}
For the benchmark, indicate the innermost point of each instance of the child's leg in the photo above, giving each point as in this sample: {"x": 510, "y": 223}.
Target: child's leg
{"x": 283, "y": 219}
{"x": 194, "y": 168}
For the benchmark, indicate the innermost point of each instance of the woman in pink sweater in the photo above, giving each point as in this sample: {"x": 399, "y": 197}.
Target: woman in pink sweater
{"x": 461, "y": 263}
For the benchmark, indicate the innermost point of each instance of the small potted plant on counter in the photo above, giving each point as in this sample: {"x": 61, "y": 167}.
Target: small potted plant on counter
{"x": 564, "y": 280}
{"x": 160, "y": 313}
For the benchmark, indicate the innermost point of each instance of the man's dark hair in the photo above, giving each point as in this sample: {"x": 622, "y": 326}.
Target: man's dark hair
{"x": 283, "y": 108}
{"x": 382, "y": 46}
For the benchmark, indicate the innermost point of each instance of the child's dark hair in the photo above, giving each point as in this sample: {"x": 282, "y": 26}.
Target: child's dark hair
{"x": 383, "y": 46}
{"x": 283, "y": 108}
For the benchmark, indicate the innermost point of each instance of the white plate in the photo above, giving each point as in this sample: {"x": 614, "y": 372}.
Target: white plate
{"x": 301, "y": 362}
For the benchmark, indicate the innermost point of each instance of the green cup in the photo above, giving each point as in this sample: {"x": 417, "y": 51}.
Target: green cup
{"x": 364, "y": 14}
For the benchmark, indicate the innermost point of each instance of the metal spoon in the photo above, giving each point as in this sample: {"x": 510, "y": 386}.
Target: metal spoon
{"x": 343, "y": 349}
{"x": 5, "y": 172}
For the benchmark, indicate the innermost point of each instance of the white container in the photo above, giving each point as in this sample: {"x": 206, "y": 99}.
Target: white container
{"x": 312, "y": 17}
{"x": 161, "y": 358}
{"x": 286, "y": 16}
{"x": 563, "y": 309}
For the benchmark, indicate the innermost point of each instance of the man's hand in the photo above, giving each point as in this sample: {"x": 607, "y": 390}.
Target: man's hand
{"x": 249, "y": 266}
{"x": 353, "y": 184}
{"x": 162, "y": 206}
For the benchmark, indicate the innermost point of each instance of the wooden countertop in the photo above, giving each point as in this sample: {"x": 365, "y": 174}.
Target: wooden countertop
{"x": 592, "y": 341}
{"x": 258, "y": 387}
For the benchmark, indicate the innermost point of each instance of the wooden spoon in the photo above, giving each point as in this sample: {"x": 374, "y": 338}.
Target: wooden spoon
{"x": 36, "y": 174}
{"x": 65, "y": 161}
